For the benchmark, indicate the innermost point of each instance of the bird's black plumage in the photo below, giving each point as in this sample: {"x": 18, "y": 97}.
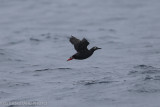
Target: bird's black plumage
{"x": 81, "y": 48}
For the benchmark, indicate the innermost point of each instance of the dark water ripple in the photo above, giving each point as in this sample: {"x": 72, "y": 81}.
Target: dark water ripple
{"x": 41, "y": 37}
{"x": 16, "y": 42}
{"x": 2, "y": 53}
{"x": 94, "y": 82}
{"x": 48, "y": 37}
{"x": 64, "y": 68}
{"x": 12, "y": 106}
{"x": 34, "y": 39}
{"x": 48, "y": 69}
{"x": 22, "y": 84}
{"x": 4, "y": 94}
{"x": 145, "y": 90}
{"x": 43, "y": 69}
{"x": 146, "y": 79}
{"x": 11, "y": 84}
{"x": 144, "y": 69}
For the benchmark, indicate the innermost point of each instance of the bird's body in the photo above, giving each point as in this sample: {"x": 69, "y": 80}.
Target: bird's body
{"x": 81, "y": 48}
{"x": 82, "y": 55}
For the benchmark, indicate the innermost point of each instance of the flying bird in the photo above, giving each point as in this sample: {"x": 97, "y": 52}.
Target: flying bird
{"x": 81, "y": 47}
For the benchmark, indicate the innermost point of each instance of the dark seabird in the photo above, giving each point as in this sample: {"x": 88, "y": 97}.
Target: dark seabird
{"x": 81, "y": 48}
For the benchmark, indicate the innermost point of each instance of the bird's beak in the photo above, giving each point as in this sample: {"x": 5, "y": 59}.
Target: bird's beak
{"x": 99, "y": 48}
{"x": 69, "y": 59}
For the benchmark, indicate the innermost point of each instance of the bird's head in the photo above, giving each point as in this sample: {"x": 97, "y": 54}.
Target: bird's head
{"x": 70, "y": 58}
{"x": 95, "y": 48}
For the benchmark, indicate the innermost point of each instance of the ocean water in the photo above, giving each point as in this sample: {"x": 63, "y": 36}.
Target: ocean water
{"x": 34, "y": 47}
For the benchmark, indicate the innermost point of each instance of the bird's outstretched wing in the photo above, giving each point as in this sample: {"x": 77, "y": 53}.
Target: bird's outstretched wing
{"x": 74, "y": 40}
{"x": 79, "y": 45}
{"x": 84, "y": 43}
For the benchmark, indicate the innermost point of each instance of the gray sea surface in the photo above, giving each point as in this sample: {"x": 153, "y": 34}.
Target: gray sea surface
{"x": 34, "y": 47}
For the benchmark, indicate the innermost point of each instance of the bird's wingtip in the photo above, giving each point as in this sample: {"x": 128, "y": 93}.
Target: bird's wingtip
{"x": 72, "y": 36}
{"x": 69, "y": 37}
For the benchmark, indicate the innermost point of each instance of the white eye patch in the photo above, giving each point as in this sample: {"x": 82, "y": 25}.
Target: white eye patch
{"x": 95, "y": 47}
